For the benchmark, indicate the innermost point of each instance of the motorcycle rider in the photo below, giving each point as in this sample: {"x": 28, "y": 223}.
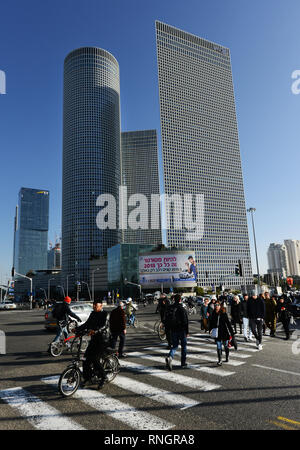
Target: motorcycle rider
{"x": 96, "y": 323}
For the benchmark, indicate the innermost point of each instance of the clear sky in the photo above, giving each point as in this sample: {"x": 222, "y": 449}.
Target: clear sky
{"x": 264, "y": 40}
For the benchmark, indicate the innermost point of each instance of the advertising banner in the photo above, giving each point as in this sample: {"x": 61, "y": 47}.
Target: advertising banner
{"x": 172, "y": 269}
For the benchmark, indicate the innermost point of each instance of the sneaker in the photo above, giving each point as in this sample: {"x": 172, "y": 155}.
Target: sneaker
{"x": 246, "y": 339}
{"x": 257, "y": 343}
{"x": 219, "y": 363}
{"x": 169, "y": 362}
{"x": 183, "y": 366}
{"x": 124, "y": 355}
{"x": 260, "y": 347}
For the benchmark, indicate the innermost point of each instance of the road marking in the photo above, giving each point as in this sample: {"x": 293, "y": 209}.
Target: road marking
{"x": 154, "y": 393}
{"x": 168, "y": 376}
{"x": 282, "y": 425}
{"x": 284, "y": 419}
{"x": 277, "y": 370}
{"x": 37, "y": 412}
{"x": 210, "y": 370}
{"x": 137, "y": 419}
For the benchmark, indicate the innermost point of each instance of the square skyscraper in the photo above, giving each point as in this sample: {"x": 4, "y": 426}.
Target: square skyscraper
{"x": 201, "y": 154}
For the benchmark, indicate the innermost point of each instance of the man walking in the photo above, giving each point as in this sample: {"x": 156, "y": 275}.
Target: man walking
{"x": 117, "y": 324}
{"x": 247, "y": 329}
{"x": 178, "y": 322}
{"x": 271, "y": 310}
{"x": 256, "y": 314}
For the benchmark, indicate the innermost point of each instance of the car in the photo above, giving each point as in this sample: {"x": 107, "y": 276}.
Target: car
{"x": 7, "y": 304}
{"x": 81, "y": 309}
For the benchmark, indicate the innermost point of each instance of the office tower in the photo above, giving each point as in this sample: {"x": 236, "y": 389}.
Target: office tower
{"x": 54, "y": 257}
{"x": 140, "y": 176}
{"x": 200, "y": 152}
{"x": 278, "y": 260}
{"x": 293, "y": 251}
{"x": 91, "y": 155}
{"x": 31, "y": 230}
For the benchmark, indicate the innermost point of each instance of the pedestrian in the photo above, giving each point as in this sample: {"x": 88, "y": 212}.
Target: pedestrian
{"x": 236, "y": 313}
{"x": 221, "y": 329}
{"x": 256, "y": 314}
{"x": 117, "y": 325}
{"x": 164, "y": 304}
{"x": 284, "y": 316}
{"x": 246, "y": 328}
{"x": 204, "y": 314}
{"x": 211, "y": 307}
{"x": 271, "y": 312}
{"x": 178, "y": 322}
{"x": 262, "y": 297}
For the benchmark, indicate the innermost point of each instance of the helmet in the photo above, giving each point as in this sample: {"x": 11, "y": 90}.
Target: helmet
{"x": 129, "y": 300}
{"x": 67, "y": 300}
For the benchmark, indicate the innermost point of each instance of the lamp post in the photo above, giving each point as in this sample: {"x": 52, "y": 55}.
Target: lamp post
{"x": 252, "y": 210}
{"x": 84, "y": 282}
{"x": 28, "y": 278}
{"x": 72, "y": 275}
{"x": 93, "y": 281}
{"x": 49, "y": 287}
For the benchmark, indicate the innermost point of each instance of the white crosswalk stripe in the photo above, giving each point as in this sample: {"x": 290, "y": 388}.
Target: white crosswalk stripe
{"x": 187, "y": 381}
{"x": 41, "y": 415}
{"x": 137, "y": 419}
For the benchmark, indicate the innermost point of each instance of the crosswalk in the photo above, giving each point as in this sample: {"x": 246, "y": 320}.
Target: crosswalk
{"x": 143, "y": 380}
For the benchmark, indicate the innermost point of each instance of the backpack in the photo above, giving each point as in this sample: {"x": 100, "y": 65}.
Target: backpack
{"x": 171, "y": 319}
{"x": 59, "y": 311}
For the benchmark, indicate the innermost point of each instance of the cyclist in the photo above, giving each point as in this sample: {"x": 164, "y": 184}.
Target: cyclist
{"x": 61, "y": 313}
{"x": 96, "y": 324}
{"x": 130, "y": 311}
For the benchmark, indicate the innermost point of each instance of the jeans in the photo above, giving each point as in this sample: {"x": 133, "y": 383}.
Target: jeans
{"x": 256, "y": 326}
{"x": 114, "y": 338}
{"x": 62, "y": 329}
{"x": 179, "y": 336}
{"x": 247, "y": 329}
{"x": 219, "y": 344}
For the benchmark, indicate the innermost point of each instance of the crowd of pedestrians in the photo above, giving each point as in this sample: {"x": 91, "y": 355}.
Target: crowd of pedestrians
{"x": 252, "y": 315}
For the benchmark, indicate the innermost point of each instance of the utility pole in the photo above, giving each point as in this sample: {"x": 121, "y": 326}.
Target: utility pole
{"x": 252, "y": 210}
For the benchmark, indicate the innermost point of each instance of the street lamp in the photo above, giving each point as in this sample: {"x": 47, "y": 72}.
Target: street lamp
{"x": 93, "y": 281}
{"x": 84, "y": 282}
{"x": 72, "y": 275}
{"x": 252, "y": 210}
{"x": 49, "y": 287}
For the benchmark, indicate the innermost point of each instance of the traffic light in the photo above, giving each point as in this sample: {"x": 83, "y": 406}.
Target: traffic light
{"x": 237, "y": 270}
{"x": 240, "y": 268}
{"x": 12, "y": 272}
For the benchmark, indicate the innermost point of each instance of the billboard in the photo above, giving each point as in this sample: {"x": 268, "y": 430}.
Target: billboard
{"x": 170, "y": 269}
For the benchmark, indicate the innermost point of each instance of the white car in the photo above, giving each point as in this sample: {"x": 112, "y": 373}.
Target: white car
{"x": 81, "y": 309}
{"x": 8, "y": 304}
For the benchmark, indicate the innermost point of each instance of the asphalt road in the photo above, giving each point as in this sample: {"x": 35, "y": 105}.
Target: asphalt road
{"x": 256, "y": 390}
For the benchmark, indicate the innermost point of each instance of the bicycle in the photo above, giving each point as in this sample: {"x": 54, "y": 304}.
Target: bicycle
{"x": 70, "y": 378}
{"x": 159, "y": 329}
{"x": 57, "y": 347}
{"x": 132, "y": 321}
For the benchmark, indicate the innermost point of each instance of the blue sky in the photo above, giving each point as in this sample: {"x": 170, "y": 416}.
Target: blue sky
{"x": 263, "y": 37}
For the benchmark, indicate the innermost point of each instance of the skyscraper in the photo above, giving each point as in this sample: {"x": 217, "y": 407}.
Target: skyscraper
{"x": 140, "y": 176}
{"x": 31, "y": 230}
{"x": 91, "y": 155}
{"x": 200, "y": 151}
{"x": 278, "y": 260}
{"x": 293, "y": 252}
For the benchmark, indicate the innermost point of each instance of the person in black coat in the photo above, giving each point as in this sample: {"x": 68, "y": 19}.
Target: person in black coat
{"x": 284, "y": 316}
{"x": 178, "y": 324}
{"x": 97, "y": 346}
{"x": 219, "y": 320}
{"x": 256, "y": 314}
{"x": 236, "y": 313}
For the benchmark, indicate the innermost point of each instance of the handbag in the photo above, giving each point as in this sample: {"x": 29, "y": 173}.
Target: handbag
{"x": 214, "y": 331}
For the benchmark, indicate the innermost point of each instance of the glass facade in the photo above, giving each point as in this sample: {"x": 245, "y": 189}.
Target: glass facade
{"x": 31, "y": 230}
{"x": 91, "y": 155}
{"x": 200, "y": 151}
{"x": 140, "y": 176}
{"x": 123, "y": 262}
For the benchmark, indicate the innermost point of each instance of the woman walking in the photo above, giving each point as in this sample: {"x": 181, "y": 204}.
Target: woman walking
{"x": 221, "y": 330}
{"x": 236, "y": 313}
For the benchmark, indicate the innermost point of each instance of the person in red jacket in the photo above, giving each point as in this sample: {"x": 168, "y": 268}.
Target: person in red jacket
{"x": 117, "y": 324}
